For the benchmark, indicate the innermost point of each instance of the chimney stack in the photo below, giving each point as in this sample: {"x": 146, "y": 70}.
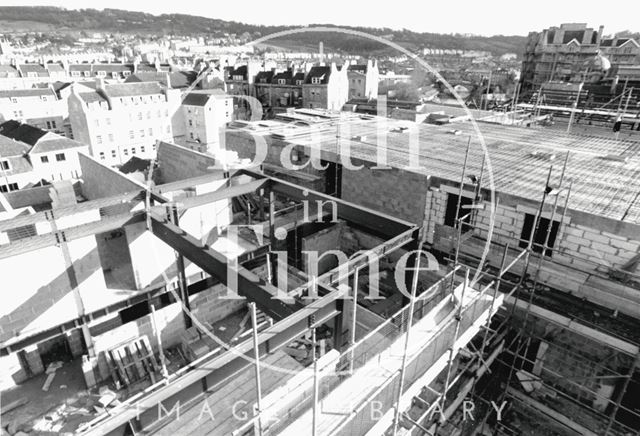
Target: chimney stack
{"x": 599, "y": 38}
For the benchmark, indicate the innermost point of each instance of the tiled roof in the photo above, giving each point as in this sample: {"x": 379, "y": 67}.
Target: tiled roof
{"x": 91, "y": 97}
{"x": 33, "y": 68}
{"x": 357, "y": 68}
{"x": 145, "y": 67}
{"x": 195, "y": 99}
{"x": 322, "y": 72}
{"x": 8, "y": 69}
{"x": 111, "y": 68}
{"x": 33, "y": 92}
{"x": 24, "y": 133}
{"x": 240, "y": 71}
{"x": 11, "y": 148}
{"x": 80, "y": 67}
{"x": 264, "y": 77}
{"x": 55, "y": 144}
{"x": 179, "y": 79}
{"x": 132, "y": 89}
{"x": 53, "y": 67}
{"x": 146, "y": 76}
{"x": 286, "y": 75}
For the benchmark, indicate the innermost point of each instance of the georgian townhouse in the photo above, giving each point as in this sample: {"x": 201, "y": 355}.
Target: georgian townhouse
{"x": 121, "y": 120}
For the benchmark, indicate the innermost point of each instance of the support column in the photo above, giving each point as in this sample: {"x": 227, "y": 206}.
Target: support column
{"x": 182, "y": 278}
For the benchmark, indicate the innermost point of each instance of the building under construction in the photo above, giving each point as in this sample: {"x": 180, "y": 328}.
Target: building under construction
{"x": 520, "y": 315}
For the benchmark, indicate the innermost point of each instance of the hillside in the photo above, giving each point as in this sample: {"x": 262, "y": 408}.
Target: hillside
{"x": 43, "y": 18}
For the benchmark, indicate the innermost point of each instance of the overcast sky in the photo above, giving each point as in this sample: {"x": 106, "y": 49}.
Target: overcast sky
{"x": 486, "y": 17}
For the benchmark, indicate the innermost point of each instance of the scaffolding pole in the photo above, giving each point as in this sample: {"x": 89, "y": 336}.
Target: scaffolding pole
{"x": 316, "y": 383}
{"x": 414, "y": 288}
{"x": 458, "y": 318}
{"x": 534, "y": 229}
{"x": 354, "y": 311}
{"x": 156, "y": 330}
{"x": 256, "y": 357}
{"x": 620, "y": 396}
{"x": 496, "y": 289}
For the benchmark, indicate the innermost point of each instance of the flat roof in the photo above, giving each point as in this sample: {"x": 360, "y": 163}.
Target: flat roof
{"x": 605, "y": 171}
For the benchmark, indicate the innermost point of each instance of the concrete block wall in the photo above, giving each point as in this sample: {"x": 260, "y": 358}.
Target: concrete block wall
{"x": 321, "y": 242}
{"x": 398, "y": 193}
{"x": 100, "y": 181}
{"x": 245, "y": 145}
{"x": 180, "y": 163}
{"x": 589, "y": 248}
{"x": 584, "y": 247}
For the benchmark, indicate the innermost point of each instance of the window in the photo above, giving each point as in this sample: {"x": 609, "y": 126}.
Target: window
{"x": 139, "y": 115}
{"x": 450, "y": 214}
{"x": 298, "y": 82}
{"x": 102, "y": 74}
{"x": 113, "y": 153}
{"x": 540, "y": 234}
{"x": 142, "y": 149}
{"x": 126, "y": 152}
{"x": 142, "y": 133}
{"x": 99, "y": 139}
{"x": 191, "y": 135}
{"x": 43, "y": 98}
{"x": 44, "y": 159}
{"x": 131, "y": 135}
{"x": 133, "y": 150}
{"x": 190, "y": 123}
{"x": 148, "y": 115}
{"x": 108, "y": 121}
{"x": 60, "y": 157}
{"x": 75, "y": 73}
{"x": 110, "y": 136}
{"x": 150, "y": 131}
{"x": 316, "y": 80}
{"x": 4, "y": 164}
{"x": 102, "y": 155}
{"x": 126, "y": 73}
{"x": 48, "y": 124}
{"x": 8, "y": 188}
{"x": 53, "y": 124}
{"x": 153, "y": 147}
{"x": 282, "y": 81}
{"x": 87, "y": 73}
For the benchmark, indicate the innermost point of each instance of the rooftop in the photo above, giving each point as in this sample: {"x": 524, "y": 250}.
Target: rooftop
{"x": 605, "y": 172}
{"x": 131, "y": 89}
{"x": 33, "y": 92}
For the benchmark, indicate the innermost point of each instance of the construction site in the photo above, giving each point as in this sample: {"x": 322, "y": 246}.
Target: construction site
{"x": 417, "y": 279}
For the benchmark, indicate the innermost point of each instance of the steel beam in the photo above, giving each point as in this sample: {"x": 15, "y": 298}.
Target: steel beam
{"x": 217, "y": 265}
{"x": 197, "y": 380}
{"x": 376, "y": 223}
